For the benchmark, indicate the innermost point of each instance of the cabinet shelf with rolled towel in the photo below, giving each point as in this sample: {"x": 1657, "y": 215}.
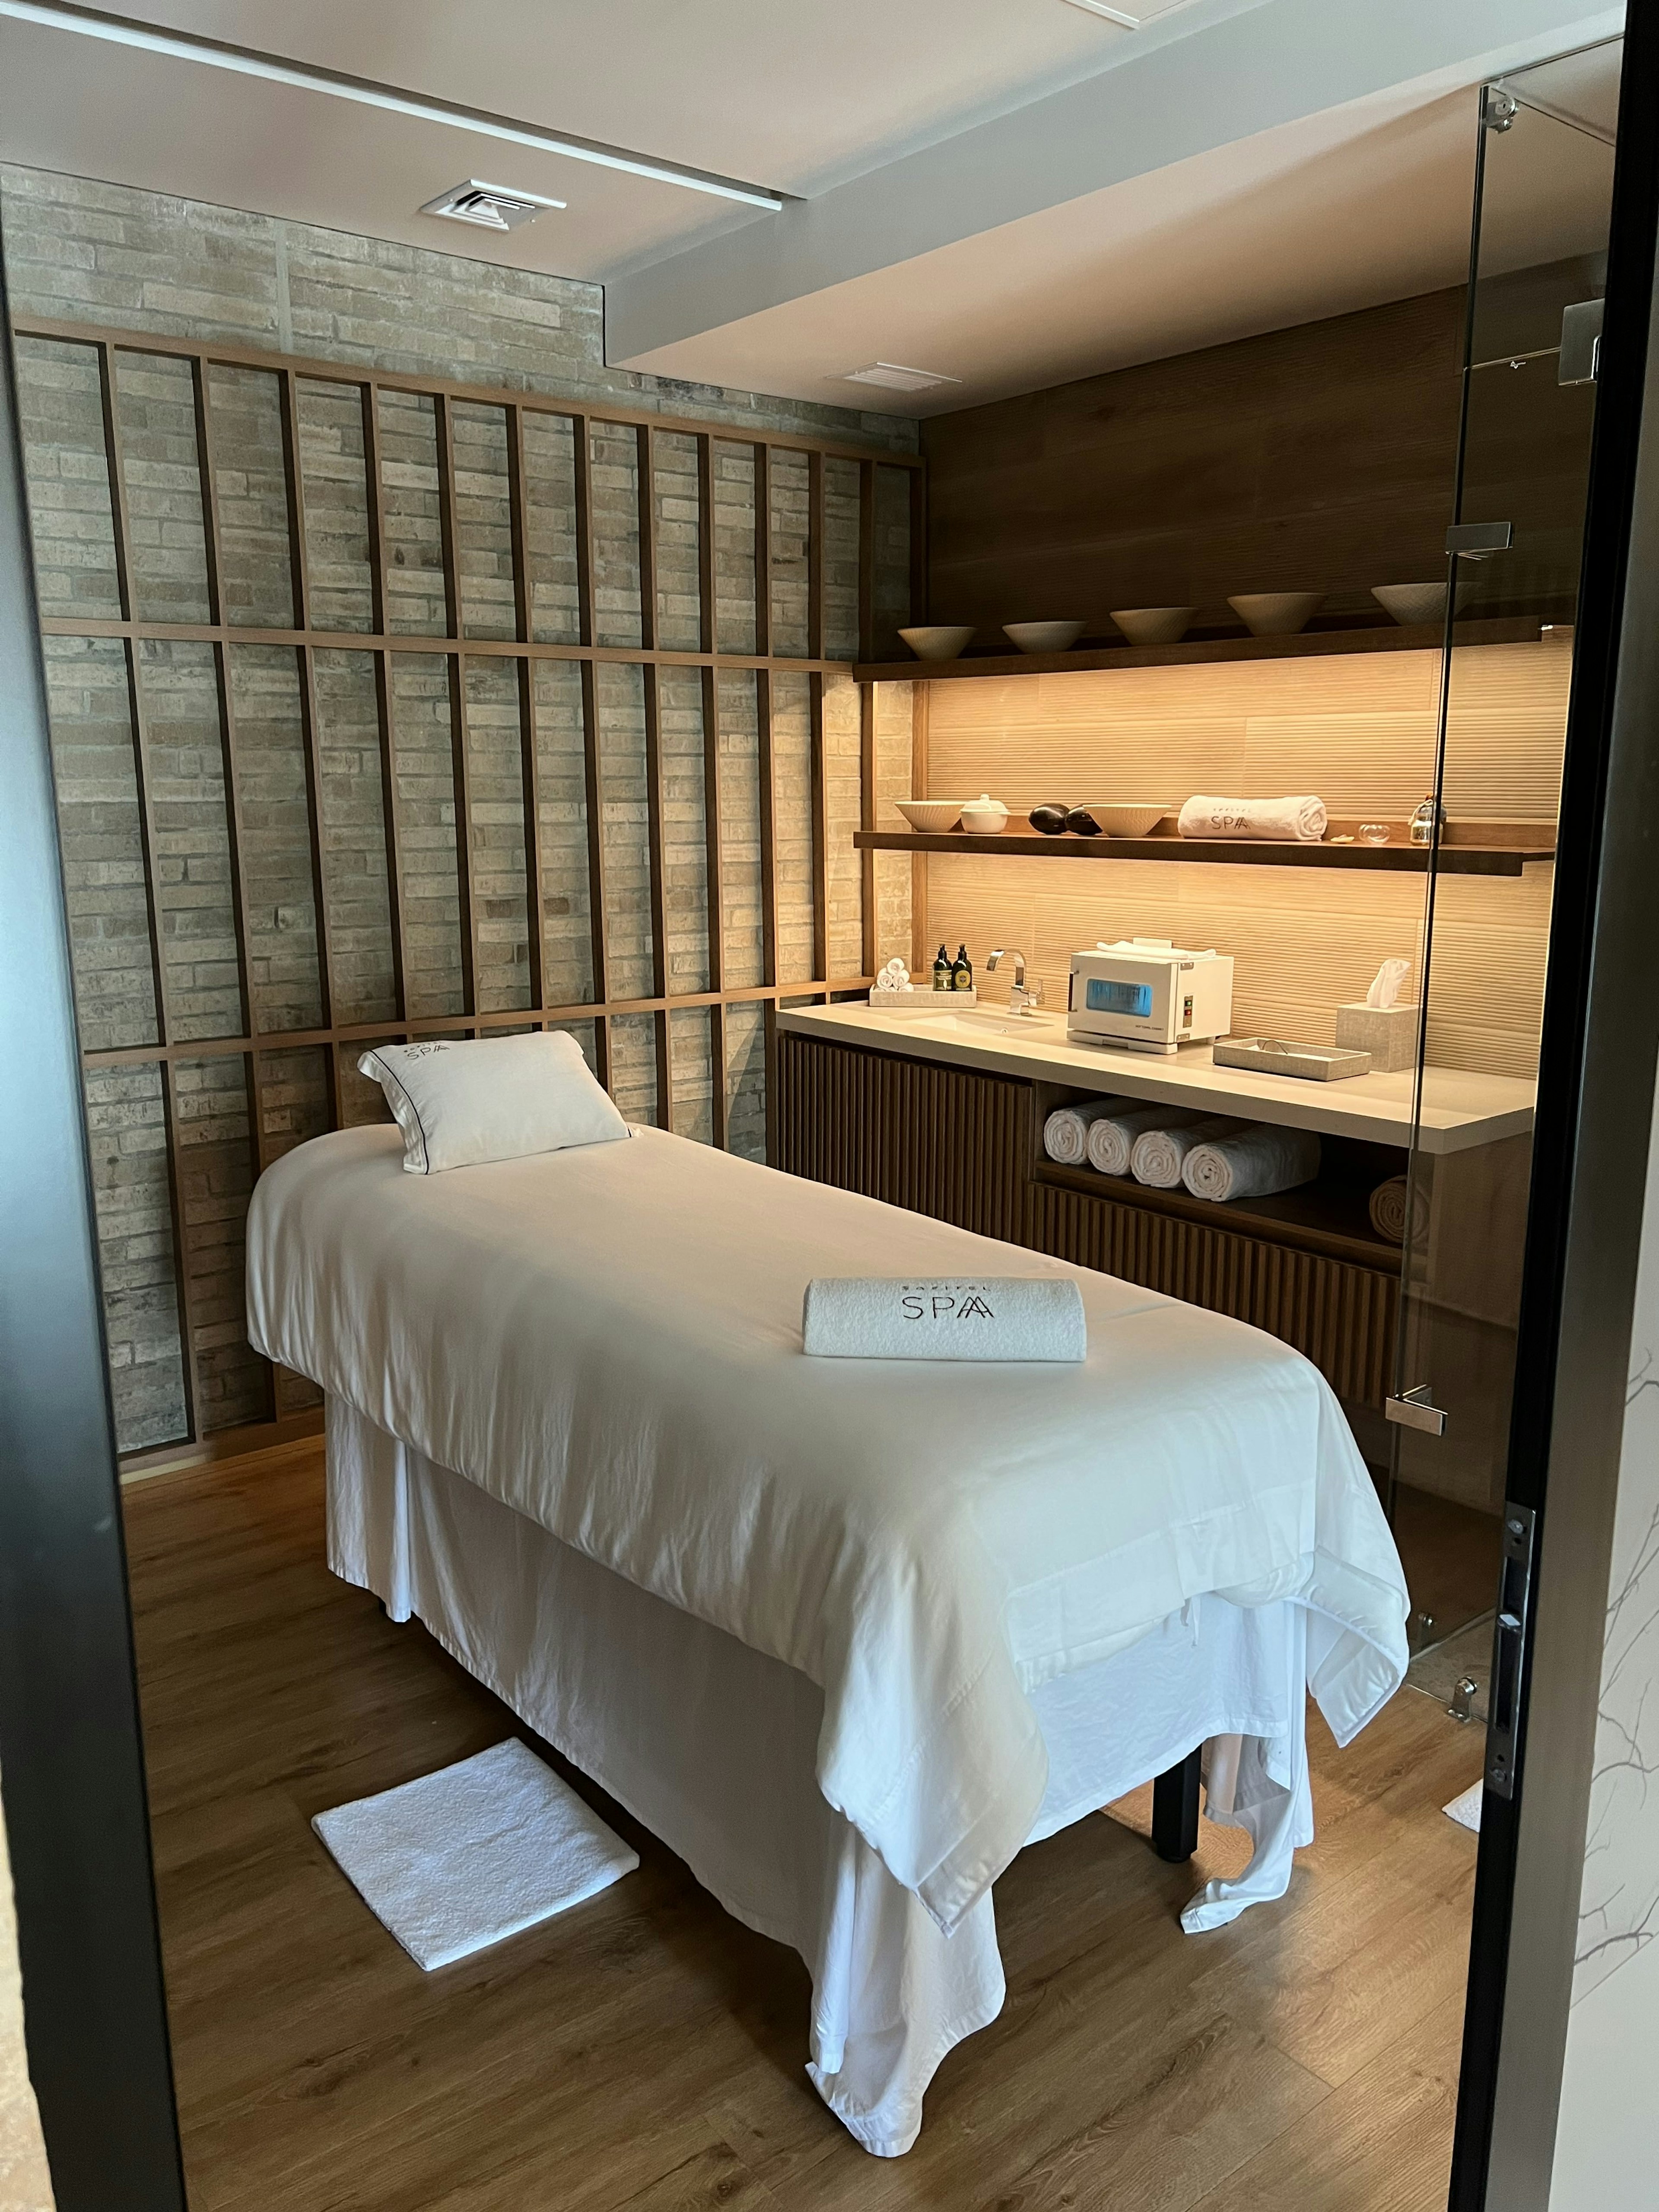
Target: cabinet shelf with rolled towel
{"x": 1330, "y": 1214}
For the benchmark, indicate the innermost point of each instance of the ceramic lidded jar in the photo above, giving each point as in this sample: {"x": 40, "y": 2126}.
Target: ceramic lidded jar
{"x": 984, "y": 817}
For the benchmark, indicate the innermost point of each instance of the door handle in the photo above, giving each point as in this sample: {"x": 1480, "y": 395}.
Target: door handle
{"x": 1475, "y": 540}
{"x": 1415, "y": 1409}
{"x": 1509, "y": 1649}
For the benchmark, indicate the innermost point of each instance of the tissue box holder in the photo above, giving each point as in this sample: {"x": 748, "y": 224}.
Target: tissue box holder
{"x": 1387, "y": 1033}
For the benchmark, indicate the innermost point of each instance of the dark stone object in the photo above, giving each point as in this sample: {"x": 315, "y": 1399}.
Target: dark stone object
{"x": 1082, "y": 823}
{"x": 1051, "y": 820}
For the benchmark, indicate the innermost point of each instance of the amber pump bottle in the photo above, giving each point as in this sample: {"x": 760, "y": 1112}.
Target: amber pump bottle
{"x": 962, "y": 970}
{"x": 942, "y": 971}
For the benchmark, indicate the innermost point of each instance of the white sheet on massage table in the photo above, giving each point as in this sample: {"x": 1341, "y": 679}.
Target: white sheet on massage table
{"x": 608, "y": 1341}
{"x": 713, "y": 1745}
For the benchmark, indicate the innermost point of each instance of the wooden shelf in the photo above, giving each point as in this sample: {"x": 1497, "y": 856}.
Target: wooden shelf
{"x": 1330, "y": 1217}
{"x": 1482, "y": 848}
{"x": 1391, "y": 637}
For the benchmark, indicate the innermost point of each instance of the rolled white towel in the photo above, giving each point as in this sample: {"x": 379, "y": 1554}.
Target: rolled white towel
{"x": 1300, "y": 821}
{"x": 1159, "y": 1155}
{"x": 1112, "y": 1135}
{"x": 1066, "y": 1132}
{"x": 995, "y": 1318}
{"x": 1251, "y": 1162}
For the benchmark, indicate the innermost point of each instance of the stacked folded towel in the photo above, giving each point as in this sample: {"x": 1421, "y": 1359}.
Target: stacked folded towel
{"x": 1392, "y": 1214}
{"x": 1300, "y": 821}
{"x": 1160, "y": 1154}
{"x": 1252, "y": 1162}
{"x": 1066, "y": 1132}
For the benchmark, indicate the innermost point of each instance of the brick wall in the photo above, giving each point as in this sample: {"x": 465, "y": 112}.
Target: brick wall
{"x": 83, "y": 252}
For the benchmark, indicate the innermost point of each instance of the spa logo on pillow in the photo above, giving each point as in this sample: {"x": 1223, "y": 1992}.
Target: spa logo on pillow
{"x": 963, "y": 1301}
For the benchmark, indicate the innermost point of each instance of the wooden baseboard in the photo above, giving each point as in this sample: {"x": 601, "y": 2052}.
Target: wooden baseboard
{"x": 227, "y": 1443}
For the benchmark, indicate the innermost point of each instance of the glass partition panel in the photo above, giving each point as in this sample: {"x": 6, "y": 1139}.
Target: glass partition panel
{"x": 1542, "y": 213}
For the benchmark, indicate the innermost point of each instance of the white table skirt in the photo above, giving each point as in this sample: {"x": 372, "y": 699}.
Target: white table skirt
{"x": 712, "y": 1746}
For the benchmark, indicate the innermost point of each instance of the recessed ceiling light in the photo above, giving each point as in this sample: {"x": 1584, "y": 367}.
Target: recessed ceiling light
{"x": 889, "y": 374}
{"x": 492, "y": 207}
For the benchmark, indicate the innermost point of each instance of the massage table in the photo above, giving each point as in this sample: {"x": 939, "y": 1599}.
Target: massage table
{"x": 846, "y": 1635}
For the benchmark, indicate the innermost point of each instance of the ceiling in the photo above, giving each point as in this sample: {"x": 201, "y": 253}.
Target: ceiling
{"x": 1011, "y": 193}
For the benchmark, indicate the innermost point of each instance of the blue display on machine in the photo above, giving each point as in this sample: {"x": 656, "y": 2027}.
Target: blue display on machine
{"x": 1103, "y": 997}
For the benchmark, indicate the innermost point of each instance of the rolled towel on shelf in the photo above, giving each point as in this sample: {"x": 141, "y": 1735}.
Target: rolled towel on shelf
{"x": 1008, "y": 1317}
{"x": 1066, "y": 1132}
{"x": 1112, "y": 1135}
{"x": 1298, "y": 821}
{"x": 1159, "y": 1155}
{"x": 1390, "y": 1214}
{"x": 1253, "y": 1162}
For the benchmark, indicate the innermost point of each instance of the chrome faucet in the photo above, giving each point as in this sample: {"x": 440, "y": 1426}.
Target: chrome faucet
{"x": 1023, "y": 998}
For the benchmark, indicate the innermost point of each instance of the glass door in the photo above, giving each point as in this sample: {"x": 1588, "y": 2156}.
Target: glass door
{"x": 1543, "y": 197}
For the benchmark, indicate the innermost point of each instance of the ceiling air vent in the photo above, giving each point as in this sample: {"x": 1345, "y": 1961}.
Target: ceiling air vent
{"x": 892, "y": 378}
{"x": 492, "y": 207}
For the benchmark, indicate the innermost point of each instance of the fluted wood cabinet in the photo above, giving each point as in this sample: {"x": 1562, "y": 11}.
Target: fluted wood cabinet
{"x": 965, "y": 1147}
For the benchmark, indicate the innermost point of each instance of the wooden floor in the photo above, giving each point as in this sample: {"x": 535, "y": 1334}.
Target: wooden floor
{"x": 644, "y": 2050}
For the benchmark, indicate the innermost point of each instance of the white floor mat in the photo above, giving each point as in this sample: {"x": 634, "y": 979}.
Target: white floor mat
{"x": 463, "y": 1857}
{"x": 1465, "y": 1809}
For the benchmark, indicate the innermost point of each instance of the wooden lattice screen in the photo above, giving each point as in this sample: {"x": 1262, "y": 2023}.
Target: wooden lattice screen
{"x": 386, "y": 707}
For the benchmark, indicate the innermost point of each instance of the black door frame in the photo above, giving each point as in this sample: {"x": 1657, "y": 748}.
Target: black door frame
{"x": 1595, "y": 1104}
{"x": 70, "y": 1748}
{"x": 71, "y": 1758}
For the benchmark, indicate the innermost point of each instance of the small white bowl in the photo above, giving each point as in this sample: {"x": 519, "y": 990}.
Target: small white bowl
{"x": 1276, "y": 614}
{"x": 985, "y": 817}
{"x": 1043, "y": 636}
{"x": 938, "y": 640}
{"x": 930, "y": 815}
{"x": 1416, "y": 603}
{"x": 1154, "y": 625}
{"x": 1125, "y": 821}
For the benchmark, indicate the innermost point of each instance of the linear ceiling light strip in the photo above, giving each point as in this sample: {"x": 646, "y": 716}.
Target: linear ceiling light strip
{"x": 244, "y": 61}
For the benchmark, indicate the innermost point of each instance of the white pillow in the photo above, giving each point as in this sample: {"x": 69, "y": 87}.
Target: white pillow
{"x": 491, "y": 1098}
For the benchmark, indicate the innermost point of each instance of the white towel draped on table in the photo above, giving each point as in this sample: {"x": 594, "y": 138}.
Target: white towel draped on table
{"x": 1298, "y": 821}
{"x": 1251, "y": 1162}
{"x": 1159, "y": 1155}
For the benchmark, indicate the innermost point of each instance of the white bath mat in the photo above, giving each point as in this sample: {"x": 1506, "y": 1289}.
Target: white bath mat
{"x": 463, "y": 1857}
{"x": 1465, "y": 1809}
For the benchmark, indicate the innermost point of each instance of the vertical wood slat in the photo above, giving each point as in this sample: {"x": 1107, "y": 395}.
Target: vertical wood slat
{"x": 713, "y": 822}
{"x": 650, "y": 701}
{"x": 460, "y": 744}
{"x": 293, "y": 475}
{"x": 391, "y": 801}
{"x": 920, "y": 584}
{"x": 867, "y": 914}
{"x": 866, "y": 560}
{"x": 818, "y": 774}
{"x": 529, "y": 755}
{"x": 763, "y": 550}
{"x": 582, "y": 446}
{"x": 121, "y": 528}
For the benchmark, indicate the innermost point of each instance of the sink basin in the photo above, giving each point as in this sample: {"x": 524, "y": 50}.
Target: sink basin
{"x": 976, "y": 1021}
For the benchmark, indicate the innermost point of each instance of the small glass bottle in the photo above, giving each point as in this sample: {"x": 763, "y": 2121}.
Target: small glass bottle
{"x": 962, "y": 970}
{"x": 1428, "y": 816}
{"x": 942, "y": 971}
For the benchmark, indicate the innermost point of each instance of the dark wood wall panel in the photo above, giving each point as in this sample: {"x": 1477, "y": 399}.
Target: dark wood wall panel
{"x": 959, "y": 1146}
{"x": 1318, "y": 458}
{"x": 386, "y": 707}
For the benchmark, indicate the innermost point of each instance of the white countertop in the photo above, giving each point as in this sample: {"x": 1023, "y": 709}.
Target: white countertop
{"x": 1460, "y": 1109}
